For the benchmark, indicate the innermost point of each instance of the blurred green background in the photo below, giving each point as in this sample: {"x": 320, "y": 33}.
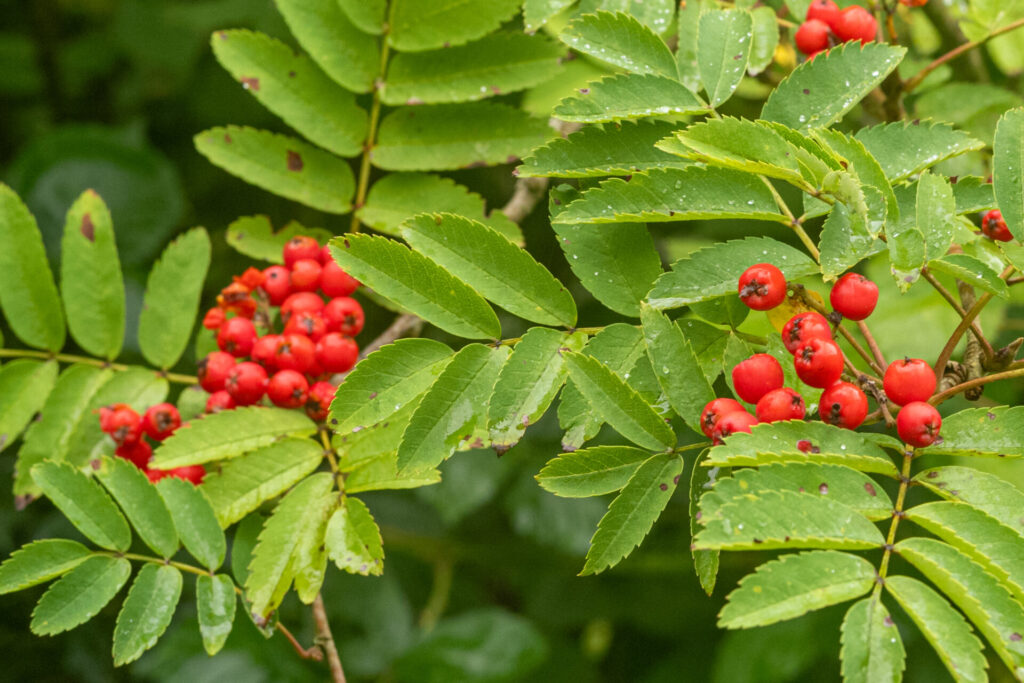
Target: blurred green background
{"x": 480, "y": 581}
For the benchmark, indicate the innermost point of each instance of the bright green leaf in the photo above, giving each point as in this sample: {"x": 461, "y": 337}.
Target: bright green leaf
{"x": 195, "y": 521}
{"x": 705, "y": 562}
{"x": 40, "y": 561}
{"x": 591, "y": 471}
{"x": 990, "y": 432}
{"x": 621, "y": 40}
{"x": 254, "y": 236}
{"x": 345, "y": 53}
{"x": 353, "y": 539}
{"x": 872, "y": 650}
{"x": 24, "y": 387}
{"x": 935, "y": 210}
{"x": 536, "y": 13}
{"x": 629, "y": 96}
{"x": 147, "y": 611}
{"x": 971, "y": 271}
{"x": 416, "y": 27}
{"x": 84, "y": 503}
{"x": 723, "y": 49}
{"x": 764, "y": 40}
{"x": 369, "y": 16}
{"x": 215, "y": 608}
{"x": 141, "y": 503}
{"x": 905, "y": 148}
{"x": 1008, "y": 170}
{"x": 738, "y": 144}
{"x": 992, "y": 495}
{"x": 310, "y": 553}
{"x": 79, "y": 595}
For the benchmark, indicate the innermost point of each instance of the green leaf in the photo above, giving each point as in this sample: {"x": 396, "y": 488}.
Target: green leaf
{"x": 242, "y": 543}
{"x": 424, "y": 288}
{"x": 904, "y": 149}
{"x": 536, "y": 13}
{"x": 272, "y": 567}
{"x": 195, "y": 521}
{"x": 819, "y": 92}
{"x": 705, "y": 562}
{"x": 499, "y": 270}
{"x": 497, "y": 64}
{"x": 141, "y": 503}
{"x": 215, "y": 608}
{"x": 935, "y": 210}
{"x": 254, "y": 236}
{"x": 864, "y": 166}
{"x": 528, "y": 382}
{"x": 675, "y": 194}
{"x": 452, "y": 409}
{"x": 353, "y": 539}
{"x": 989, "y": 432}
{"x": 633, "y": 512}
{"x": 992, "y": 495}
{"x": 845, "y": 242}
{"x": 398, "y": 197}
{"x": 872, "y": 650}
{"x": 369, "y": 16}
{"x": 173, "y": 290}
{"x": 84, "y": 503}
{"x": 619, "y": 39}
{"x": 713, "y": 271}
{"x": 79, "y": 595}
{"x": 794, "y": 585}
{"x": 780, "y": 442}
{"x": 90, "y": 278}
{"x": 310, "y": 553}
{"x": 723, "y": 49}
{"x": 945, "y": 628}
{"x": 618, "y": 404}
{"x": 688, "y": 24}
{"x": 629, "y": 96}
{"x": 995, "y": 546}
{"x": 764, "y": 40}
{"x": 147, "y": 611}
{"x": 38, "y": 562}
{"x": 596, "y": 151}
{"x": 416, "y": 27}
{"x": 242, "y": 484}
{"x": 345, "y": 53}
{"x": 230, "y": 433}
{"x": 285, "y": 166}
{"x": 24, "y": 387}
{"x": 591, "y": 471}
{"x": 291, "y": 86}
{"x": 1007, "y": 170}
{"x": 28, "y": 295}
{"x": 676, "y": 367}
{"x": 738, "y": 144}
{"x": 443, "y": 137}
{"x": 973, "y": 193}
{"x": 977, "y": 594}
{"x": 972, "y": 271}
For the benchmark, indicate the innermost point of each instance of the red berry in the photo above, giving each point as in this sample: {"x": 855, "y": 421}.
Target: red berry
{"x": 818, "y": 362}
{"x": 780, "y": 404}
{"x": 854, "y": 296}
{"x": 918, "y": 424}
{"x": 213, "y": 319}
{"x": 843, "y": 405}
{"x": 325, "y": 255}
{"x": 251, "y": 278}
{"x": 909, "y": 380}
{"x": 277, "y": 283}
{"x": 756, "y": 376}
{"x": 306, "y": 275}
{"x": 300, "y": 247}
{"x": 190, "y": 473}
{"x": 812, "y": 37}
{"x": 823, "y": 10}
{"x": 214, "y": 369}
{"x": 334, "y": 281}
{"x": 288, "y": 389}
{"x": 312, "y": 325}
{"x": 913, "y": 3}
{"x": 762, "y": 286}
{"x": 319, "y": 403}
{"x": 265, "y": 349}
{"x": 247, "y": 382}
{"x": 160, "y": 421}
{"x": 295, "y": 352}
{"x": 237, "y": 336}
{"x": 121, "y": 422}
{"x": 301, "y": 302}
{"x": 804, "y": 326}
{"x": 345, "y": 315}
{"x": 715, "y": 410}
{"x": 218, "y": 401}
{"x": 137, "y": 453}
{"x": 739, "y": 421}
{"x": 855, "y": 23}
{"x": 336, "y": 353}
{"x": 994, "y": 227}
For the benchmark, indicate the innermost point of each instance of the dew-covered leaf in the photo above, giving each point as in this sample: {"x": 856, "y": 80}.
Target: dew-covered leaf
{"x": 872, "y": 650}
{"x": 1008, "y": 170}
{"x": 621, "y": 40}
{"x": 972, "y": 271}
{"x": 905, "y": 148}
{"x": 992, "y": 495}
{"x": 723, "y": 49}
{"x": 629, "y": 96}
{"x": 215, "y": 609}
{"x": 989, "y": 432}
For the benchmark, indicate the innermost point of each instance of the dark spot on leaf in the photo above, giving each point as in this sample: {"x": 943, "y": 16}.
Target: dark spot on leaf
{"x": 413, "y": 101}
{"x": 291, "y": 74}
{"x": 663, "y": 487}
{"x": 495, "y": 89}
{"x": 222, "y": 35}
{"x": 250, "y": 83}
{"x": 294, "y": 161}
{"x": 888, "y": 620}
{"x": 806, "y": 91}
{"x": 87, "y": 228}
{"x": 739, "y": 56}
{"x": 786, "y": 539}
{"x": 1015, "y": 637}
{"x": 584, "y": 91}
{"x": 954, "y": 492}
{"x": 334, "y": 420}
{"x": 346, "y": 243}
{"x": 95, "y": 463}
{"x": 991, "y": 416}
{"x": 447, "y": 44}
{"x": 500, "y": 449}
{"x": 801, "y": 490}
{"x": 21, "y": 502}
{"x": 373, "y": 394}
{"x": 227, "y": 139}
{"x": 933, "y": 474}
{"x": 757, "y": 541}
{"x": 870, "y": 488}
{"x": 698, "y": 515}
{"x": 675, "y": 479}
{"x": 823, "y": 488}
{"x": 916, "y": 122}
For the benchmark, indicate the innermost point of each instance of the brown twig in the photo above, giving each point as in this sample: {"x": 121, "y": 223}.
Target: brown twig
{"x": 402, "y": 325}
{"x": 976, "y": 382}
{"x": 314, "y": 653}
{"x": 948, "y": 296}
{"x": 527, "y": 194}
{"x": 956, "y": 52}
{"x": 958, "y": 333}
{"x": 325, "y": 639}
{"x": 873, "y": 345}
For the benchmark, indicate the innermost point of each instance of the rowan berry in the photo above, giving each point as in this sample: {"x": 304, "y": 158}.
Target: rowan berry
{"x": 818, "y": 362}
{"x": 247, "y": 382}
{"x": 190, "y": 473}
{"x": 160, "y": 421}
{"x": 909, "y": 380}
{"x": 780, "y": 404}
{"x": 325, "y": 255}
{"x": 265, "y": 349}
{"x": 250, "y": 279}
{"x": 213, "y": 319}
{"x": 854, "y": 296}
{"x": 812, "y": 37}
{"x": 213, "y": 370}
{"x": 218, "y": 401}
{"x": 236, "y": 298}
{"x": 319, "y": 402}
{"x": 804, "y": 326}
{"x": 137, "y": 453}
{"x": 237, "y": 336}
{"x": 994, "y": 226}
{"x": 825, "y": 11}
{"x": 306, "y": 275}
{"x": 918, "y": 424}
{"x": 762, "y": 287}
{"x": 121, "y": 422}
{"x": 301, "y": 302}
{"x": 715, "y": 410}
{"x": 295, "y": 352}
{"x": 843, "y": 405}
{"x": 312, "y": 325}
{"x": 913, "y": 3}
{"x": 334, "y": 281}
{"x": 336, "y": 353}
{"x": 739, "y": 421}
{"x": 756, "y": 376}
{"x": 344, "y": 314}
{"x": 277, "y": 284}
{"x": 288, "y": 389}
{"x": 300, "y": 247}
{"x": 855, "y": 23}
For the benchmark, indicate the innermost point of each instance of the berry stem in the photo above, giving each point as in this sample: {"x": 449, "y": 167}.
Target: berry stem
{"x": 95, "y": 362}
{"x": 794, "y": 222}
{"x": 325, "y": 639}
{"x": 873, "y": 345}
{"x": 956, "y": 52}
{"x": 958, "y": 333}
{"x": 945, "y": 294}
{"x": 897, "y": 514}
{"x": 976, "y": 382}
{"x": 801, "y": 294}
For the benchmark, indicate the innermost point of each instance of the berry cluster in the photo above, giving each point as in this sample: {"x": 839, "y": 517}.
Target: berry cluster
{"x": 293, "y": 367}
{"x": 827, "y": 25}
{"x": 818, "y": 361}
{"x": 130, "y": 431}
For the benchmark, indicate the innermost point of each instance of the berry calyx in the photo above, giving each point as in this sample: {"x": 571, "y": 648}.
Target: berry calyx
{"x": 909, "y": 380}
{"x": 306, "y": 275}
{"x": 214, "y": 369}
{"x": 277, "y": 284}
{"x": 855, "y": 23}
{"x": 804, "y": 326}
{"x": 756, "y": 376}
{"x": 288, "y": 389}
{"x": 336, "y": 353}
{"x": 854, "y": 296}
{"x": 715, "y": 410}
{"x": 994, "y": 226}
{"x": 812, "y": 37}
{"x": 247, "y": 382}
{"x": 237, "y": 336}
{"x": 137, "y": 453}
{"x": 319, "y": 402}
{"x": 312, "y": 325}
{"x": 780, "y": 404}
{"x": 823, "y": 10}
{"x": 739, "y": 421}
{"x": 300, "y": 247}
{"x": 121, "y": 422}
{"x": 218, "y": 401}
{"x": 843, "y": 405}
{"x": 344, "y": 314}
{"x": 160, "y": 421}
{"x": 334, "y": 281}
{"x": 918, "y": 424}
{"x": 762, "y": 287}
{"x": 818, "y": 363}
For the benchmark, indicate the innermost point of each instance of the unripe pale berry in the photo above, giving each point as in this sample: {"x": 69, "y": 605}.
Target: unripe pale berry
{"x": 854, "y": 296}
{"x": 918, "y": 424}
{"x": 762, "y": 287}
{"x": 843, "y": 405}
{"x": 909, "y": 380}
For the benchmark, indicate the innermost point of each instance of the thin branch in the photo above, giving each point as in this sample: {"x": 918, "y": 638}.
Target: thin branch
{"x": 314, "y": 653}
{"x": 440, "y": 592}
{"x": 95, "y": 362}
{"x": 527, "y": 194}
{"x": 945, "y": 293}
{"x": 325, "y": 639}
{"x": 976, "y": 382}
{"x": 401, "y": 327}
{"x": 873, "y": 345}
{"x": 958, "y": 333}
{"x": 956, "y": 52}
